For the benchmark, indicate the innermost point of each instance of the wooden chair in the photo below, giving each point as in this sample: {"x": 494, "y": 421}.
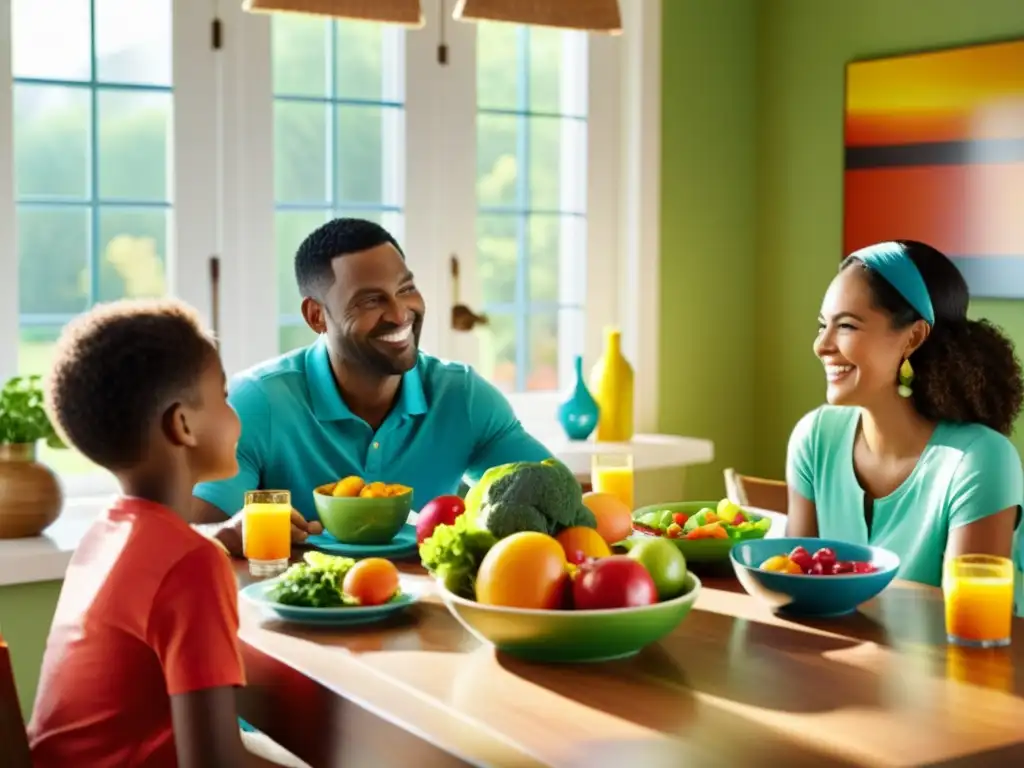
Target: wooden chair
{"x": 13, "y": 737}
{"x": 746, "y": 490}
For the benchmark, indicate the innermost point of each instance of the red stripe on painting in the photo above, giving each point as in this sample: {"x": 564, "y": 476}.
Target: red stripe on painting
{"x": 960, "y": 209}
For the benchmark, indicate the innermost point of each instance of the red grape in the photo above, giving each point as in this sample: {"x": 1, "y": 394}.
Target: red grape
{"x": 826, "y": 557}
{"x": 864, "y": 568}
{"x": 820, "y": 569}
{"x": 843, "y": 566}
{"x": 802, "y": 557}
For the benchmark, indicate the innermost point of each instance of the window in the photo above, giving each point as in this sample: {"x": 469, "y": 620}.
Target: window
{"x": 141, "y": 152}
{"x": 339, "y": 124}
{"x": 92, "y": 121}
{"x": 532, "y": 197}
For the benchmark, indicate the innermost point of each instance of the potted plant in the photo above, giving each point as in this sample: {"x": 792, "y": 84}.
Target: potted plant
{"x": 30, "y": 495}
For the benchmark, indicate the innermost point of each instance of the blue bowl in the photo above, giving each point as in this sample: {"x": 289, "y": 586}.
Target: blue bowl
{"x": 818, "y": 596}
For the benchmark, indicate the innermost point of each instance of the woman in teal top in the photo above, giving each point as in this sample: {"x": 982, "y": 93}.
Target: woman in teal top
{"x": 911, "y": 452}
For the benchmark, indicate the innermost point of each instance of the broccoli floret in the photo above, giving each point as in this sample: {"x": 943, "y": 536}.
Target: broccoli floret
{"x": 542, "y": 497}
{"x": 505, "y": 518}
{"x": 583, "y": 518}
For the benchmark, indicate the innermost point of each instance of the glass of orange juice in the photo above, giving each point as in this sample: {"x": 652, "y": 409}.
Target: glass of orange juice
{"x": 613, "y": 473}
{"x": 267, "y": 531}
{"x": 979, "y": 600}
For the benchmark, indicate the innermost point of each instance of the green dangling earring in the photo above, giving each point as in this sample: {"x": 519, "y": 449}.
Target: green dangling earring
{"x": 906, "y": 376}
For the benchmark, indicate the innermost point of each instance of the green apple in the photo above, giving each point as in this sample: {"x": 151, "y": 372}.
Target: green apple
{"x": 665, "y": 563}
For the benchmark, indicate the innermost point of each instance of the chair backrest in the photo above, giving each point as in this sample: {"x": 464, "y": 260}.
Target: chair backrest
{"x": 13, "y": 738}
{"x": 761, "y": 492}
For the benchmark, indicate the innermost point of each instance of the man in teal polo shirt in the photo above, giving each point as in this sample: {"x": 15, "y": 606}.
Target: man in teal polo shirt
{"x": 362, "y": 400}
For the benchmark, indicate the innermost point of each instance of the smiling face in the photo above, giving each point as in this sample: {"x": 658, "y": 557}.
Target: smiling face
{"x": 857, "y": 344}
{"x": 372, "y": 313}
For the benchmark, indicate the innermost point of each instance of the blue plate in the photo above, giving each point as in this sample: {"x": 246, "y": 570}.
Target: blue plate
{"x": 402, "y": 546}
{"x": 338, "y": 617}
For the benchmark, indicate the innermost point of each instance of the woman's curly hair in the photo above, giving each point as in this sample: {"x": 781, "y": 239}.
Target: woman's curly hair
{"x": 966, "y": 370}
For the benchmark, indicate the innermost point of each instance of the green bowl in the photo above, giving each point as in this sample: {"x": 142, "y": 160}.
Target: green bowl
{"x": 360, "y": 520}
{"x": 695, "y": 550}
{"x": 572, "y": 636}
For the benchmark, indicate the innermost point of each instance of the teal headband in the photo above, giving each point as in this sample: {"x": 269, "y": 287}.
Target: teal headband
{"x": 891, "y": 261}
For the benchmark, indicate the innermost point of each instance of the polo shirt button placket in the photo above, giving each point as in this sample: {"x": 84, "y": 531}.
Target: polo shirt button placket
{"x": 373, "y": 457}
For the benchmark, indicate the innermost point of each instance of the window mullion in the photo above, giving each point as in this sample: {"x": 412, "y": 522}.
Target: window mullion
{"x": 9, "y": 334}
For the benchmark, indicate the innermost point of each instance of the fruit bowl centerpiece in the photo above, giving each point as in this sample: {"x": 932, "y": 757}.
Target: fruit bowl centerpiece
{"x": 527, "y": 569}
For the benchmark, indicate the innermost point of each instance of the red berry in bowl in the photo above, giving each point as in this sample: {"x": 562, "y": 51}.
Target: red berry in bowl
{"x": 864, "y": 568}
{"x": 802, "y": 557}
{"x": 820, "y": 569}
{"x": 825, "y": 556}
{"x": 680, "y": 518}
{"x": 842, "y": 566}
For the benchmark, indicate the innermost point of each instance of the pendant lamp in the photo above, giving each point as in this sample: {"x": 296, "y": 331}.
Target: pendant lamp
{"x": 404, "y": 12}
{"x": 586, "y": 15}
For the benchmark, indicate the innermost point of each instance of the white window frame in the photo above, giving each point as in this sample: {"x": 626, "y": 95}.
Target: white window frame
{"x": 191, "y": 234}
{"x": 223, "y": 201}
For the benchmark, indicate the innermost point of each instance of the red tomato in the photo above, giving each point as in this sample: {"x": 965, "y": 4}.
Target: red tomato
{"x": 613, "y": 582}
{"x": 680, "y": 518}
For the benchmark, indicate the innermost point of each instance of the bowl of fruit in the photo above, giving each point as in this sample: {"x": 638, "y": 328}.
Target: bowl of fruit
{"x": 704, "y": 531}
{"x": 356, "y": 512}
{"x": 813, "y": 577}
{"x": 542, "y": 583}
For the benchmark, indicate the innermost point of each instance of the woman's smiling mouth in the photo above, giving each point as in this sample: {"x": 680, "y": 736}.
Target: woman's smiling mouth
{"x": 834, "y": 373}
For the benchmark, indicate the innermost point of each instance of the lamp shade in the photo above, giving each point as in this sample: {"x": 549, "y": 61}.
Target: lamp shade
{"x": 405, "y": 12}
{"x": 586, "y": 15}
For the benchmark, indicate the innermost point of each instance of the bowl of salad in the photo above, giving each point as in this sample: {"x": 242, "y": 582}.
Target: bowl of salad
{"x": 704, "y": 531}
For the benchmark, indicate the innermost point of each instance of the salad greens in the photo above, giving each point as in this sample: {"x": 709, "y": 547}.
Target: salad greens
{"x": 453, "y": 554}
{"x": 314, "y": 583}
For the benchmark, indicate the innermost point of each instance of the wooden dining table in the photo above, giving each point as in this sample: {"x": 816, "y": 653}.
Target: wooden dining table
{"x": 734, "y": 685}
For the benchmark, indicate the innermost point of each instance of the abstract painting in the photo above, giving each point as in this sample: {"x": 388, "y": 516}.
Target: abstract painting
{"x": 934, "y": 151}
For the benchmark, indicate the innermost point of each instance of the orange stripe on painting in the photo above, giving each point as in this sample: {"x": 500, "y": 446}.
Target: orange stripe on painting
{"x": 960, "y": 94}
{"x": 995, "y": 121}
{"x": 963, "y": 210}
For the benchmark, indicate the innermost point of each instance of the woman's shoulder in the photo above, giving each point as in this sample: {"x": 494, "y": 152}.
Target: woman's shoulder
{"x": 976, "y": 444}
{"x": 826, "y": 420}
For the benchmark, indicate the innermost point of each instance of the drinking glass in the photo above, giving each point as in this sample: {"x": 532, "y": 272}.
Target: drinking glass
{"x": 267, "y": 532}
{"x": 978, "y": 591}
{"x": 613, "y": 473}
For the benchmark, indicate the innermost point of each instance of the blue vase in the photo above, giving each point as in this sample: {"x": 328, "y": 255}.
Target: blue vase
{"x": 578, "y": 412}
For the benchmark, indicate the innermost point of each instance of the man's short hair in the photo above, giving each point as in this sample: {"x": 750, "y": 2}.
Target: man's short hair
{"x": 338, "y": 237}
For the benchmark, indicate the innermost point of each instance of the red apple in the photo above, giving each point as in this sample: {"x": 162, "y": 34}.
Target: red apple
{"x": 442, "y": 510}
{"x": 617, "y": 581}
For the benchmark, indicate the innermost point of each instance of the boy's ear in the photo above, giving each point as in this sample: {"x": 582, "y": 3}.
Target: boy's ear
{"x": 177, "y": 428}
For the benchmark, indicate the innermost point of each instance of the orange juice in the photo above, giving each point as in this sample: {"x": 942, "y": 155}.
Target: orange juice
{"x": 613, "y": 474}
{"x": 267, "y": 531}
{"x": 979, "y": 600}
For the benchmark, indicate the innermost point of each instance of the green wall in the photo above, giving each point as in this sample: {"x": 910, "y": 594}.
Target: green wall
{"x": 26, "y": 611}
{"x": 709, "y": 139}
{"x": 751, "y": 236}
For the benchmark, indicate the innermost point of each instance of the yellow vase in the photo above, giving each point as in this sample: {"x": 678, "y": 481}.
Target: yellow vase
{"x": 611, "y": 384}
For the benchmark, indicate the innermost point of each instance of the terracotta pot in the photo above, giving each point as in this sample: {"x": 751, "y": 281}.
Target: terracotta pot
{"x": 30, "y": 495}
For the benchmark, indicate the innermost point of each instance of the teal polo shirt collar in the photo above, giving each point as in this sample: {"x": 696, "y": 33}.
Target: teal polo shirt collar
{"x": 328, "y": 404}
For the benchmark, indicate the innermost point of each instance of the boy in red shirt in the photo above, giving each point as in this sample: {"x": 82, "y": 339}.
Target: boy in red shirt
{"x": 142, "y": 660}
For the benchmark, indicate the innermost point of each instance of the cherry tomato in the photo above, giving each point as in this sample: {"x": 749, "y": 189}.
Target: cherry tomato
{"x": 864, "y": 568}
{"x": 680, "y": 518}
{"x": 842, "y": 566}
{"x": 674, "y": 531}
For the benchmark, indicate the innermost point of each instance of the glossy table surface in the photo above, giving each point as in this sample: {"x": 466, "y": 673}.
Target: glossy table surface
{"x": 733, "y": 685}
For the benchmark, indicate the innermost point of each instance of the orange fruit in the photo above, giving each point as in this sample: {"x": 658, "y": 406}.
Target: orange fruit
{"x": 780, "y": 564}
{"x": 349, "y": 486}
{"x": 614, "y": 519}
{"x": 372, "y": 581}
{"x": 524, "y": 570}
{"x": 581, "y": 543}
